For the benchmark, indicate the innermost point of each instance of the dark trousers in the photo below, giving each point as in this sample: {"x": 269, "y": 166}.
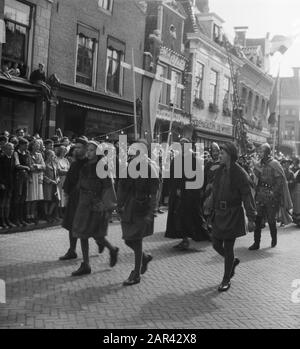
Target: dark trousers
{"x": 269, "y": 212}
{"x": 225, "y": 249}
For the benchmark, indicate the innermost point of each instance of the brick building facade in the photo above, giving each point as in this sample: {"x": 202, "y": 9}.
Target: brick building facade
{"x": 27, "y": 26}
{"x": 88, "y": 41}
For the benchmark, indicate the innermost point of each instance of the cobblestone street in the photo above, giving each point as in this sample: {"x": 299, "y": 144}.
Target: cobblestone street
{"x": 178, "y": 291}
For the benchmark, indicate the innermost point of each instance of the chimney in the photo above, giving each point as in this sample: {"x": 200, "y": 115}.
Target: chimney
{"x": 296, "y": 71}
{"x": 240, "y": 36}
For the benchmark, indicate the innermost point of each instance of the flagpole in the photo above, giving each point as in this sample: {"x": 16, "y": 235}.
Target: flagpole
{"x": 134, "y": 98}
{"x": 279, "y": 114}
{"x": 173, "y": 111}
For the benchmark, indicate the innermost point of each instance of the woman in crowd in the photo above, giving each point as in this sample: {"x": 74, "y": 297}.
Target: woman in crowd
{"x": 35, "y": 181}
{"x": 63, "y": 168}
{"x": 93, "y": 212}
{"x": 51, "y": 181}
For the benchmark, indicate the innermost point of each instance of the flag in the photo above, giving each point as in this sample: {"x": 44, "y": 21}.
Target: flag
{"x": 273, "y": 102}
{"x": 281, "y": 44}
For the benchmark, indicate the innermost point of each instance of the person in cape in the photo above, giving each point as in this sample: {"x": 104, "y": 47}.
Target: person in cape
{"x": 272, "y": 194}
{"x": 185, "y": 217}
{"x": 137, "y": 196}
{"x": 92, "y": 212}
{"x": 231, "y": 190}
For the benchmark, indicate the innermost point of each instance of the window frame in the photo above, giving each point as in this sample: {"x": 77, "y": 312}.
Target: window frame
{"x": 215, "y": 99}
{"x": 164, "y": 89}
{"x": 198, "y": 90}
{"x": 172, "y": 88}
{"x": 95, "y": 58}
{"x": 29, "y": 36}
{"x": 121, "y": 77}
{"x": 107, "y": 11}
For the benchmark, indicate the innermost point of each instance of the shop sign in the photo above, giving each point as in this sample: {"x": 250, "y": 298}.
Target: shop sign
{"x": 164, "y": 114}
{"x": 172, "y": 59}
{"x": 213, "y": 126}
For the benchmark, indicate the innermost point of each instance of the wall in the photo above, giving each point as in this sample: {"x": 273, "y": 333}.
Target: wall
{"x": 1, "y": 17}
{"x": 126, "y": 23}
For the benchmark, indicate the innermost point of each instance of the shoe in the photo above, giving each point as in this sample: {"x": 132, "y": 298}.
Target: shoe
{"x": 225, "y": 286}
{"x": 113, "y": 257}
{"x": 83, "y": 270}
{"x": 68, "y": 256}
{"x": 254, "y": 247}
{"x": 100, "y": 248}
{"x": 183, "y": 245}
{"x": 10, "y": 224}
{"x": 160, "y": 211}
{"x": 236, "y": 262}
{"x": 132, "y": 280}
{"x": 274, "y": 243}
{"x": 146, "y": 260}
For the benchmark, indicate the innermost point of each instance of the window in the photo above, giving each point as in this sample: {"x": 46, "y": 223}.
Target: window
{"x": 294, "y": 112}
{"x": 18, "y": 23}
{"x": 256, "y": 105}
{"x": 226, "y": 100}
{"x": 106, "y": 5}
{"x": 289, "y": 133}
{"x": 213, "y": 87}
{"x": 217, "y": 34}
{"x": 176, "y": 75}
{"x": 286, "y": 112}
{"x": 114, "y": 75}
{"x": 87, "y": 43}
{"x": 162, "y": 71}
{"x": 199, "y": 75}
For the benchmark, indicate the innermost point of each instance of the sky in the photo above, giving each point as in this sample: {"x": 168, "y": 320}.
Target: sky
{"x": 279, "y": 17}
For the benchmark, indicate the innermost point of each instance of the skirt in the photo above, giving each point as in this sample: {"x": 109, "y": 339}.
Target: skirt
{"x": 35, "y": 190}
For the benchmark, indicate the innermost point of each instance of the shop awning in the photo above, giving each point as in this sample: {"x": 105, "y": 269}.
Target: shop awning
{"x": 90, "y": 107}
{"x": 19, "y": 87}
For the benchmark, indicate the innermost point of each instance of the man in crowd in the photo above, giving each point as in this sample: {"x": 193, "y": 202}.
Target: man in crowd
{"x": 7, "y": 166}
{"x": 271, "y": 192}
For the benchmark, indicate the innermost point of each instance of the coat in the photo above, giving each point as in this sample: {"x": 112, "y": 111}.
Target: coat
{"x": 185, "y": 216}
{"x": 231, "y": 189}
{"x": 91, "y": 217}
{"x": 136, "y": 201}
{"x": 70, "y": 188}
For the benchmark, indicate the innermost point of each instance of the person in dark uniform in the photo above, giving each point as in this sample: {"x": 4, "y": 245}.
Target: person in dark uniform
{"x": 185, "y": 218}
{"x": 136, "y": 205}
{"x": 22, "y": 170}
{"x": 72, "y": 194}
{"x": 271, "y": 193}
{"x": 231, "y": 189}
{"x": 92, "y": 214}
{"x": 7, "y": 166}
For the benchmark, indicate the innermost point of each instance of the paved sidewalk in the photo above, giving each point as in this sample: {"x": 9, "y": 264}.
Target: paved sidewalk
{"x": 178, "y": 291}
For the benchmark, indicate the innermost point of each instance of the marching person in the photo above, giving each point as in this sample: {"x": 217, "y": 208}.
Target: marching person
{"x": 71, "y": 192}
{"x": 271, "y": 193}
{"x": 185, "y": 219}
{"x": 92, "y": 216}
{"x": 136, "y": 205}
{"x": 231, "y": 189}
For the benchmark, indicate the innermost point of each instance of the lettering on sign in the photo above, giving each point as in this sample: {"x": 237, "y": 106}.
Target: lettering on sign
{"x": 172, "y": 59}
{"x": 213, "y": 126}
{"x": 166, "y": 115}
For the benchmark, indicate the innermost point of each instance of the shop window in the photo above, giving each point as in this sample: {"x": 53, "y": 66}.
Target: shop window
{"x": 16, "y": 51}
{"x": 114, "y": 73}
{"x": 87, "y": 44}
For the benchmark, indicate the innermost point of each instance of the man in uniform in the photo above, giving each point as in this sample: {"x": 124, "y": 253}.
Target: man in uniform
{"x": 271, "y": 193}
